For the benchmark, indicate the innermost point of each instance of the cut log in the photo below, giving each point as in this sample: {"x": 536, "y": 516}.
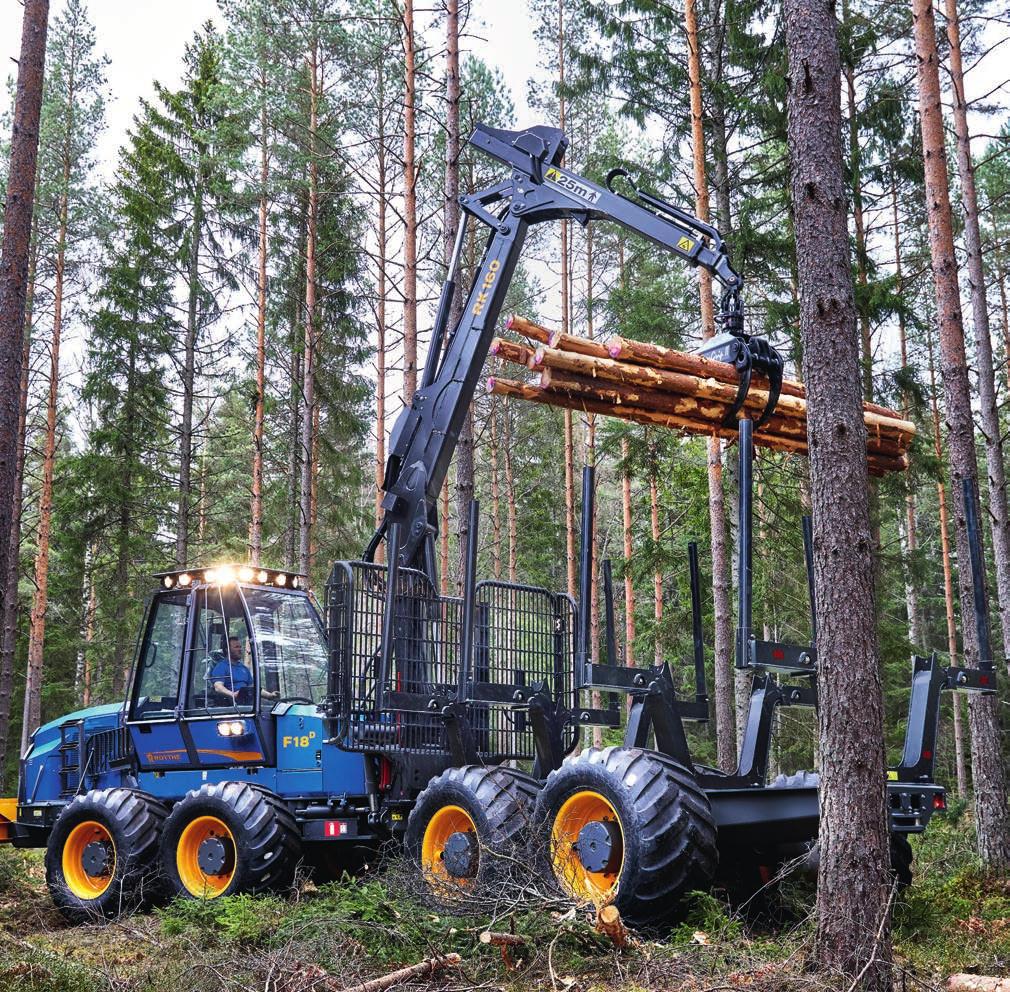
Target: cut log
{"x": 662, "y": 402}
{"x": 977, "y": 983}
{"x": 527, "y": 329}
{"x": 498, "y": 939}
{"x": 878, "y": 464}
{"x": 609, "y": 923}
{"x": 511, "y": 351}
{"x": 643, "y": 353}
{"x": 900, "y": 431}
{"x": 424, "y": 968}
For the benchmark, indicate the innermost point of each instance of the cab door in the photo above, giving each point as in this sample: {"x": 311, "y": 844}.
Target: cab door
{"x": 221, "y": 721}
{"x": 153, "y": 716}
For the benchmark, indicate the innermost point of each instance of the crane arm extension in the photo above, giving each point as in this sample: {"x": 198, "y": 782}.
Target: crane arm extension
{"x": 538, "y": 190}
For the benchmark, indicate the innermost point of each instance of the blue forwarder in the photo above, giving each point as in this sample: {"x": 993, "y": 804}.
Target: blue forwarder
{"x": 254, "y": 738}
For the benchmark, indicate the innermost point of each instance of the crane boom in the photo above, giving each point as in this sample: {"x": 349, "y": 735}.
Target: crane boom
{"x": 539, "y": 189}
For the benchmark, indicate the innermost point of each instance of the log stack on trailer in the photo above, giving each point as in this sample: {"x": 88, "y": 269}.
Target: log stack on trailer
{"x": 650, "y": 384}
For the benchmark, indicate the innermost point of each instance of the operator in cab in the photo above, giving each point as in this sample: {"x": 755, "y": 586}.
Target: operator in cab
{"x": 230, "y": 677}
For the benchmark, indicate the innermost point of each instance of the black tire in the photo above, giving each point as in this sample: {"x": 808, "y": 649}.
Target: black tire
{"x": 113, "y": 833}
{"x": 901, "y": 861}
{"x": 666, "y": 845}
{"x": 260, "y": 849}
{"x": 499, "y": 804}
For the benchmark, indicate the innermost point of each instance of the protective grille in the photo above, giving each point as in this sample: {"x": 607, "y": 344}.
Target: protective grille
{"x": 522, "y": 636}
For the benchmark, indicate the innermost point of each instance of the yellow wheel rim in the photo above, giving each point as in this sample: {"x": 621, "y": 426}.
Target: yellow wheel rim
{"x": 79, "y": 881}
{"x": 447, "y": 821}
{"x": 576, "y": 812}
{"x": 197, "y": 882}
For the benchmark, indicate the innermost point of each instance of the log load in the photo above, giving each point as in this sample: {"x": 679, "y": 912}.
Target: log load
{"x": 649, "y": 384}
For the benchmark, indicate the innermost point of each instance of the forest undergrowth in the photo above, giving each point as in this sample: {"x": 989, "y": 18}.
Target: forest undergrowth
{"x": 333, "y": 936}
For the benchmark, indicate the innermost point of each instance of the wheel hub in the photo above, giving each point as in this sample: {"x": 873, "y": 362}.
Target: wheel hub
{"x": 97, "y": 859}
{"x": 599, "y": 846}
{"x": 460, "y": 854}
{"x": 213, "y": 856}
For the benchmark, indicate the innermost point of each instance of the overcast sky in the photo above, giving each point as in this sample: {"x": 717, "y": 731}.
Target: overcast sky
{"x": 144, "y": 39}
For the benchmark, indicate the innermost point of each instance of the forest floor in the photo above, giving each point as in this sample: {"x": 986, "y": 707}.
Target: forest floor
{"x": 330, "y": 937}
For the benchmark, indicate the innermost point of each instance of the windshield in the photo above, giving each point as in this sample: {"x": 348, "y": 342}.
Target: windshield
{"x": 290, "y": 645}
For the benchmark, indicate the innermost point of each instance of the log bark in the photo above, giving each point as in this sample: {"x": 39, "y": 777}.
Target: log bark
{"x": 14, "y": 254}
{"x": 644, "y": 353}
{"x": 992, "y": 823}
{"x": 496, "y": 386}
{"x": 878, "y": 426}
{"x": 853, "y": 885}
{"x": 421, "y": 970}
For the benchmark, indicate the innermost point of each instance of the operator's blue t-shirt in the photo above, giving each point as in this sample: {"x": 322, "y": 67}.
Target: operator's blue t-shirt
{"x": 234, "y": 675}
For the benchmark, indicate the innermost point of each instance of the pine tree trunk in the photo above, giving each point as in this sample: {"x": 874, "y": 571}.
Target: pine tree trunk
{"x": 629, "y": 552}
{"x": 311, "y": 343}
{"x": 960, "y": 760}
{"x": 988, "y": 772}
{"x": 495, "y": 493}
{"x": 189, "y": 382}
{"x": 510, "y": 496}
{"x": 853, "y": 886}
{"x": 37, "y": 631}
{"x": 8, "y": 645}
{"x": 443, "y": 540}
{"x": 14, "y": 255}
{"x": 256, "y": 508}
{"x": 295, "y": 448}
{"x": 915, "y": 629}
{"x": 570, "y": 536}
{"x": 409, "y": 208}
{"x": 657, "y": 575}
{"x": 989, "y": 414}
{"x": 380, "y": 311}
{"x": 725, "y": 717}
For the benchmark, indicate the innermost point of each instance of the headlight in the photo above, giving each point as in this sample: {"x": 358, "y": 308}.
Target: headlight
{"x": 232, "y": 728}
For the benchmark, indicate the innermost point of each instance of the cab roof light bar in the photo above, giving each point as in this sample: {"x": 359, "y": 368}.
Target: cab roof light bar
{"x": 224, "y": 574}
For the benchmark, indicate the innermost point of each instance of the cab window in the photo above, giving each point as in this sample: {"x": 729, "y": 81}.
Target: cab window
{"x": 156, "y": 688}
{"x": 291, "y": 646}
{"x": 222, "y": 667}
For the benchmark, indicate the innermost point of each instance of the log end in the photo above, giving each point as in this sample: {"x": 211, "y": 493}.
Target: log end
{"x": 614, "y": 347}
{"x": 509, "y": 321}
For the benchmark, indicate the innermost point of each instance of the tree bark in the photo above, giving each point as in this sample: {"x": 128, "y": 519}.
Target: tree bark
{"x": 8, "y": 644}
{"x": 989, "y": 414}
{"x": 853, "y": 887}
{"x": 256, "y": 508}
{"x": 657, "y": 575}
{"x": 380, "y": 318}
{"x": 409, "y": 208}
{"x": 495, "y": 494}
{"x": 14, "y": 254}
{"x": 961, "y": 765}
{"x": 308, "y": 439}
{"x": 988, "y": 773}
{"x": 189, "y": 382}
{"x": 629, "y": 552}
{"x": 725, "y": 718}
{"x": 32, "y": 709}
{"x": 915, "y": 629}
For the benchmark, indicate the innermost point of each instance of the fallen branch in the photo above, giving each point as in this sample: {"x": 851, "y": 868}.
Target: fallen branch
{"x": 420, "y": 970}
{"x": 505, "y": 942}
